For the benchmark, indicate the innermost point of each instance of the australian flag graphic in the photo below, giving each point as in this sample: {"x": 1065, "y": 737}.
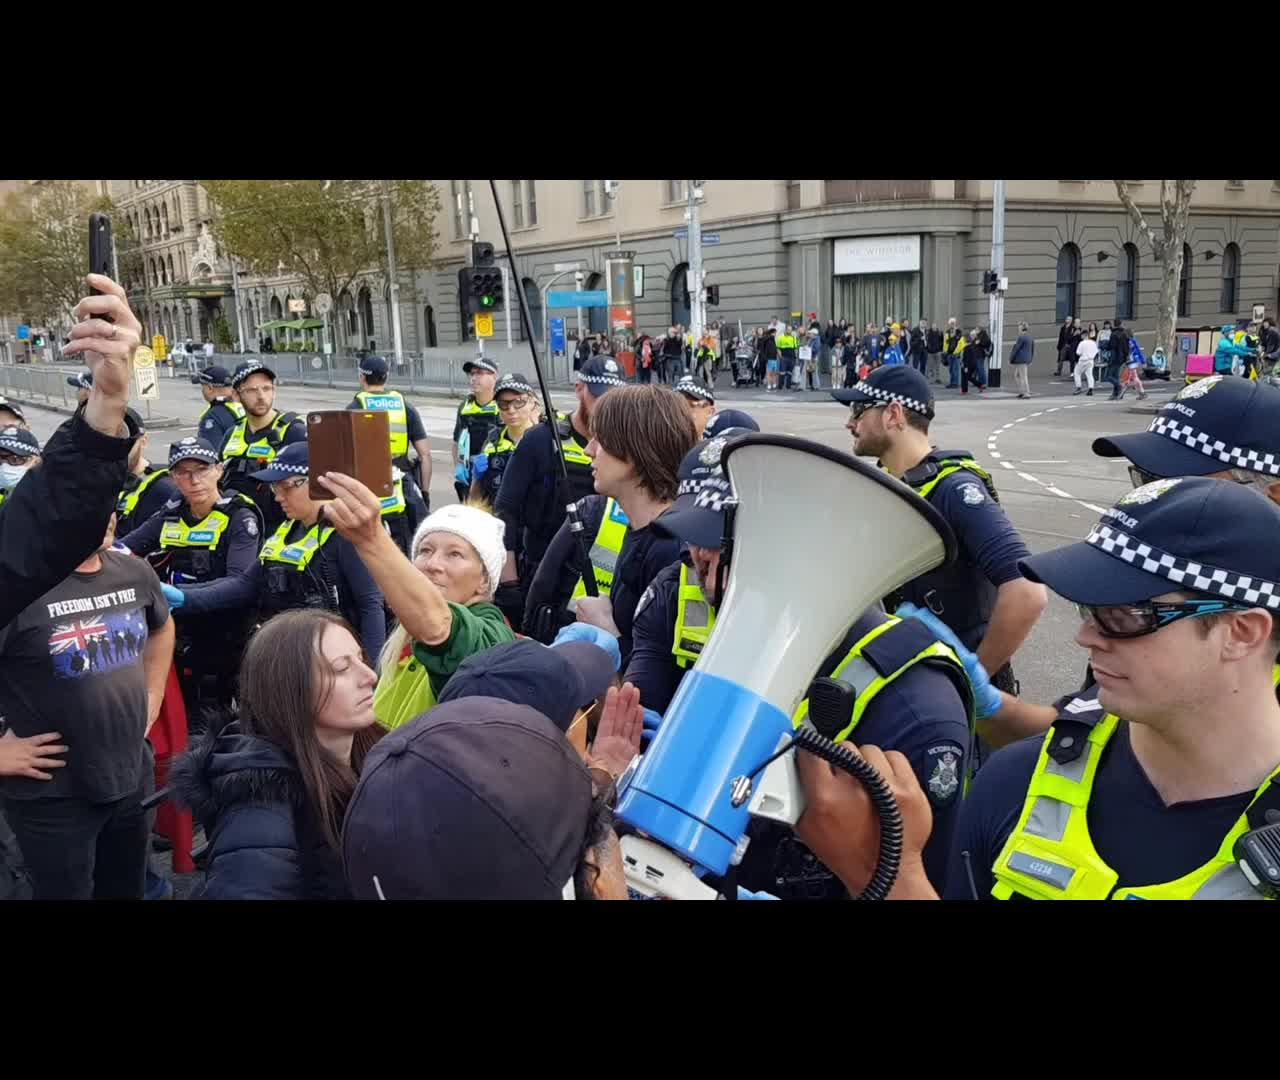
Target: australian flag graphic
{"x": 94, "y": 644}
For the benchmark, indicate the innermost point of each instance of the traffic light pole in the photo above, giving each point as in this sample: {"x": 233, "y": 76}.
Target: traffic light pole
{"x": 995, "y": 315}
{"x": 393, "y": 286}
{"x": 696, "y": 316}
{"x": 526, "y": 319}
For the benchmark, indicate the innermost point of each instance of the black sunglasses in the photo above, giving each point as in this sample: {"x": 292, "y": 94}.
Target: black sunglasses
{"x": 860, "y": 407}
{"x": 1140, "y": 477}
{"x": 1138, "y": 620}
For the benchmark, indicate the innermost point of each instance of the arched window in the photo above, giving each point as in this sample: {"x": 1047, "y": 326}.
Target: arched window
{"x": 155, "y": 280}
{"x": 534, "y": 299}
{"x": 366, "y": 315}
{"x": 164, "y": 220}
{"x": 432, "y": 337}
{"x": 1068, "y": 282}
{"x": 347, "y": 310}
{"x": 1126, "y": 282}
{"x": 680, "y": 308}
{"x": 147, "y": 212}
{"x": 1184, "y": 284}
{"x": 171, "y": 277}
{"x": 597, "y": 317}
{"x": 164, "y": 273}
{"x": 1230, "y": 278}
{"x": 277, "y": 311}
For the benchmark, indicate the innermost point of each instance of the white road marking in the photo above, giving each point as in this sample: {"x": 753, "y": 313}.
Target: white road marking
{"x": 1031, "y": 479}
{"x": 1059, "y": 492}
{"x": 1007, "y": 464}
{"x": 1090, "y": 506}
{"x": 995, "y": 454}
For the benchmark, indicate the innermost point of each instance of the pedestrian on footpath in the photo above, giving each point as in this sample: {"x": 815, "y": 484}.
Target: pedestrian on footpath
{"x": 1065, "y": 355}
{"x": 953, "y": 346}
{"x": 973, "y": 361}
{"x": 1133, "y": 368}
{"x": 933, "y": 347}
{"x": 1086, "y": 356}
{"x": 1020, "y": 360}
{"x": 1119, "y": 354}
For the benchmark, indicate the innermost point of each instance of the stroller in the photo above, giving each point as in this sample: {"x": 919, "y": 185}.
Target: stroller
{"x": 744, "y": 366}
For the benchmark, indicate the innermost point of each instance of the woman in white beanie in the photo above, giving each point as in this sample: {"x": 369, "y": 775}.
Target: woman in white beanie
{"x": 443, "y": 599}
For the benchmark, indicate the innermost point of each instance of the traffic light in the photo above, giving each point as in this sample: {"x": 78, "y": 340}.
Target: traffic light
{"x": 990, "y": 281}
{"x": 37, "y": 340}
{"x": 481, "y": 253}
{"x": 713, "y": 295}
{"x": 483, "y": 289}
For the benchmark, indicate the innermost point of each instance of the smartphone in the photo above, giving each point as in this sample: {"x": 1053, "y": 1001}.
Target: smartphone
{"x": 352, "y": 441}
{"x": 99, "y": 246}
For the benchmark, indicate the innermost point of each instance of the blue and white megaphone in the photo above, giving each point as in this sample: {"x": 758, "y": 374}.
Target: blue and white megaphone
{"x": 779, "y": 619}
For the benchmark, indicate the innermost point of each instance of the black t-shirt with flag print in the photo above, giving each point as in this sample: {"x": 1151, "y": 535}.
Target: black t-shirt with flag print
{"x": 72, "y": 662}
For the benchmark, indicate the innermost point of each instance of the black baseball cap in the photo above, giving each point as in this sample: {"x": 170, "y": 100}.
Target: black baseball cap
{"x": 192, "y": 449}
{"x": 291, "y": 461}
{"x": 897, "y": 382}
{"x": 476, "y": 799}
{"x": 1181, "y": 534}
{"x": 20, "y": 441}
{"x": 697, "y": 515}
{"x": 374, "y": 367}
{"x": 480, "y": 363}
{"x": 600, "y": 374}
{"x": 693, "y": 388}
{"x": 728, "y": 418}
{"x": 1221, "y": 422}
{"x": 514, "y": 383}
{"x": 556, "y": 680}
{"x": 214, "y": 376}
{"x": 13, "y": 407}
{"x": 82, "y": 381}
{"x": 253, "y": 367}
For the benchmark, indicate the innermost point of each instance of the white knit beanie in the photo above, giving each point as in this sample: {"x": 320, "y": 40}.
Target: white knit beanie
{"x": 481, "y": 530}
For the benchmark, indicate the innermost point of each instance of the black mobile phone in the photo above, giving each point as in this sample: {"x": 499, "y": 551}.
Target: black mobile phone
{"x": 99, "y": 247}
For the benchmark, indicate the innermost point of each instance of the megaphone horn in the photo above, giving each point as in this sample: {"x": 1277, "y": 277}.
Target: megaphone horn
{"x": 779, "y": 619}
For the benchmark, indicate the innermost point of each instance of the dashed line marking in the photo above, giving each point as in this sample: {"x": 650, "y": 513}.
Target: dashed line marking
{"x": 1059, "y": 492}
{"x": 1090, "y": 506}
{"x": 1031, "y": 479}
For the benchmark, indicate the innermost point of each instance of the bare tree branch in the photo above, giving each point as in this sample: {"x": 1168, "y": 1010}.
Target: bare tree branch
{"x": 1126, "y": 200}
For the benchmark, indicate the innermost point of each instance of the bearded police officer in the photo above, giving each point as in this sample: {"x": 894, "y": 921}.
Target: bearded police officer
{"x": 202, "y": 535}
{"x": 146, "y": 489}
{"x": 222, "y": 407}
{"x": 303, "y": 564}
{"x": 532, "y": 501}
{"x": 255, "y": 440}
{"x": 983, "y": 596}
{"x": 911, "y": 692}
{"x": 410, "y": 451}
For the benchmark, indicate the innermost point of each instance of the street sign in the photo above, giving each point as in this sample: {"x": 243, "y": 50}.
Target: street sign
{"x": 586, "y": 298}
{"x": 681, "y": 233}
{"x": 323, "y": 304}
{"x": 484, "y": 325}
{"x": 144, "y": 373}
{"x": 710, "y": 238}
{"x": 557, "y": 334}
{"x": 564, "y": 268}
{"x": 24, "y": 332}
{"x": 637, "y": 276}
{"x": 298, "y": 306}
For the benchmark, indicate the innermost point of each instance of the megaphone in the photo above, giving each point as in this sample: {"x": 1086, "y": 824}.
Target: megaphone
{"x": 779, "y": 619}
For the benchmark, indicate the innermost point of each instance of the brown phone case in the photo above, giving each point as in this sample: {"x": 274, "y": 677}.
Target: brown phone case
{"x": 352, "y": 441}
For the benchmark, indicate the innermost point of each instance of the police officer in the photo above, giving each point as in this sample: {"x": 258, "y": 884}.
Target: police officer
{"x": 982, "y": 596}
{"x": 255, "y": 440}
{"x": 146, "y": 488}
{"x": 720, "y": 422}
{"x": 700, "y": 399}
{"x": 223, "y": 410}
{"x": 202, "y": 535}
{"x": 475, "y": 417}
{"x": 19, "y": 451}
{"x": 83, "y": 383}
{"x": 11, "y": 414}
{"x": 641, "y": 434}
{"x": 531, "y": 502}
{"x": 407, "y": 506}
{"x": 303, "y": 564}
{"x": 518, "y": 412}
{"x": 911, "y": 692}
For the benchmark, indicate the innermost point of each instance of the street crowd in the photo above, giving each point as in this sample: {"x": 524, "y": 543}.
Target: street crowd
{"x": 357, "y": 696}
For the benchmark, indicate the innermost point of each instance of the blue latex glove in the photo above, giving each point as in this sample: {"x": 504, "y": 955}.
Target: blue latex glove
{"x": 987, "y": 699}
{"x": 176, "y": 597}
{"x": 460, "y": 473}
{"x": 577, "y": 631}
{"x": 480, "y": 465}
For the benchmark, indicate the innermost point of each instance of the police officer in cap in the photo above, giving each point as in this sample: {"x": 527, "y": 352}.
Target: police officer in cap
{"x": 700, "y": 399}
{"x": 911, "y": 692}
{"x": 532, "y": 502}
{"x": 255, "y": 440}
{"x": 982, "y": 596}
{"x": 146, "y": 489}
{"x": 475, "y": 417}
{"x": 1148, "y": 784}
{"x": 410, "y": 451}
{"x": 518, "y": 412}
{"x": 11, "y": 414}
{"x": 303, "y": 564}
{"x": 19, "y": 451}
{"x": 720, "y": 422}
{"x": 223, "y": 410}
{"x": 200, "y": 536}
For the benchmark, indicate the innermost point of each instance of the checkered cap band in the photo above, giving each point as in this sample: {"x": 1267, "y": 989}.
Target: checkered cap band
{"x": 1186, "y": 573}
{"x": 179, "y": 452}
{"x": 887, "y": 396}
{"x": 1236, "y": 456}
{"x": 298, "y": 470}
{"x": 693, "y": 390}
{"x": 713, "y": 495}
{"x": 250, "y": 369}
{"x": 18, "y": 446}
{"x": 513, "y": 384}
{"x": 601, "y": 380}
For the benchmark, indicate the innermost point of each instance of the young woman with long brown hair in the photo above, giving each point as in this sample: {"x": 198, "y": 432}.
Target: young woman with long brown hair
{"x": 271, "y": 790}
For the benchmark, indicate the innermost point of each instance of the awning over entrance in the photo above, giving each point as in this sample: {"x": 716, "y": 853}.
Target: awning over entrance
{"x": 292, "y": 324}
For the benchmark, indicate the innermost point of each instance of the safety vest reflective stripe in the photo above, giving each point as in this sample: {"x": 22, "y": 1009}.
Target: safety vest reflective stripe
{"x": 392, "y": 403}
{"x": 605, "y": 549}
{"x": 1050, "y": 854}
{"x": 265, "y": 443}
{"x": 695, "y": 619}
{"x": 237, "y": 410}
{"x": 206, "y": 534}
{"x": 574, "y": 452}
{"x": 951, "y": 465}
{"x": 503, "y": 445}
{"x": 394, "y": 503}
{"x": 129, "y": 500}
{"x": 300, "y": 552}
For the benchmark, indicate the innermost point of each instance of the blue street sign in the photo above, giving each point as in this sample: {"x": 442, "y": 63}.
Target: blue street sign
{"x": 557, "y": 334}
{"x": 586, "y": 298}
{"x": 24, "y": 332}
{"x": 710, "y": 238}
{"x": 682, "y": 233}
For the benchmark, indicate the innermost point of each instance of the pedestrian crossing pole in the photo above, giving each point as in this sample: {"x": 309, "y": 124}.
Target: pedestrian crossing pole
{"x": 995, "y": 319}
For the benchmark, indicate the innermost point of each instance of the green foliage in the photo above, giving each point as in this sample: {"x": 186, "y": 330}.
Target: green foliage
{"x": 222, "y": 334}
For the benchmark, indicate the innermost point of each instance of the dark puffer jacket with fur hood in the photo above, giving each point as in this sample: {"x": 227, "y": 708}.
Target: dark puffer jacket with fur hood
{"x": 265, "y": 843}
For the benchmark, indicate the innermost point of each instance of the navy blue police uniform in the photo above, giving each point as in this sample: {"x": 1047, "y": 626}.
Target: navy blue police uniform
{"x": 223, "y": 412}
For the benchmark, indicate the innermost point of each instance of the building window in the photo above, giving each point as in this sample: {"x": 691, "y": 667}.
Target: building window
{"x": 1068, "y": 281}
{"x": 517, "y": 204}
{"x": 588, "y": 198}
{"x": 1230, "y": 278}
{"x": 533, "y": 202}
{"x": 681, "y": 308}
{"x": 1184, "y": 284}
{"x": 534, "y": 299}
{"x": 459, "y": 209}
{"x": 147, "y": 211}
{"x": 171, "y": 277}
{"x": 1126, "y": 282}
{"x": 155, "y": 279}
{"x": 677, "y": 191}
{"x": 164, "y": 220}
